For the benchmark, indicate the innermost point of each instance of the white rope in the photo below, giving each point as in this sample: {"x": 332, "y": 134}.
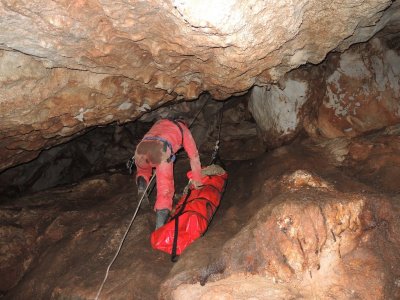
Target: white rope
{"x": 134, "y": 215}
{"x": 123, "y": 238}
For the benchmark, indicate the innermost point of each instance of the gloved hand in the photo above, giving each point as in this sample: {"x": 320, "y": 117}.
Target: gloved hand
{"x": 196, "y": 184}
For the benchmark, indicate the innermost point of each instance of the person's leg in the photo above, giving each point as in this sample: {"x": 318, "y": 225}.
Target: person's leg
{"x": 143, "y": 174}
{"x": 143, "y": 169}
{"x": 165, "y": 186}
{"x": 165, "y": 192}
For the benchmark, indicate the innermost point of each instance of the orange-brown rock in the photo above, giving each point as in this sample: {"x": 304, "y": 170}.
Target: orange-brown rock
{"x": 311, "y": 241}
{"x": 347, "y": 95}
{"x": 66, "y": 66}
{"x": 376, "y": 161}
{"x": 291, "y": 224}
{"x": 361, "y": 91}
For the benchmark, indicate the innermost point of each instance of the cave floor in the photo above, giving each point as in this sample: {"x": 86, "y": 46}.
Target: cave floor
{"x": 57, "y": 244}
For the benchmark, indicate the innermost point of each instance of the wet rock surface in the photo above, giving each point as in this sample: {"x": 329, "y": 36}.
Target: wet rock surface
{"x": 294, "y": 223}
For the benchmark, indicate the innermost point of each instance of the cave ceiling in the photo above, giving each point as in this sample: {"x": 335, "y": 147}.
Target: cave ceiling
{"x": 66, "y": 66}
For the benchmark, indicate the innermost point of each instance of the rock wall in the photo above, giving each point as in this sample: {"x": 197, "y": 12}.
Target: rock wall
{"x": 278, "y": 111}
{"x": 291, "y": 225}
{"x": 100, "y": 150}
{"x": 322, "y": 237}
{"x": 43, "y": 106}
{"x": 66, "y": 66}
{"x": 362, "y": 90}
{"x": 347, "y": 95}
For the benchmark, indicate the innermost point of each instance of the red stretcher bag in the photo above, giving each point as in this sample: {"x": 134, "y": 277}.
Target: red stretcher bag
{"x": 192, "y": 215}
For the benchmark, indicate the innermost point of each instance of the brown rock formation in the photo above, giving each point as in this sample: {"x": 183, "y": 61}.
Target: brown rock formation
{"x": 316, "y": 219}
{"x": 349, "y": 94}
{"x": 362, "y": 90}
{"x": 291, "y": 224}
{"x": 280, "y": 109}
{"x": 66, "y": 66}
{"x": 314, "y": 239}
{"x": 307, "y": 249}
{"x": 375, "y": 160}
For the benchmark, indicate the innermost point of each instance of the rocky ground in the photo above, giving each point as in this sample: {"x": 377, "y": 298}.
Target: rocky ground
{"x": 312, "y": 220}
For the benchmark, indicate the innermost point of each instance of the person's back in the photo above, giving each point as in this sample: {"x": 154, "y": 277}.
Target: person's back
{"x": 157, "y": 150}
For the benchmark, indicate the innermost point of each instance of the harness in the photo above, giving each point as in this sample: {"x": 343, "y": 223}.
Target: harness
{"x": 166, "y": 143}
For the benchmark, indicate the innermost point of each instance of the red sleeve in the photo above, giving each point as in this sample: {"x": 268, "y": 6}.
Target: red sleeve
{"x": 190, "y": 147}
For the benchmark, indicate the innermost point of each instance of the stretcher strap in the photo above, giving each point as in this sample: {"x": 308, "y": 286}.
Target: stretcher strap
{"x": 196, "y": 213}
{"x": 174, "y": 257}
{"x": 199, "y": 198}
{"x": 213, "y": 187}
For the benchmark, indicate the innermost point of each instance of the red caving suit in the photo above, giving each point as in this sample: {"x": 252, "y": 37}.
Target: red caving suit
{"x": 145, "y": 160}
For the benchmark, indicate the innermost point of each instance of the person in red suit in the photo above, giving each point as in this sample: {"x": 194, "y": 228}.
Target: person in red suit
{"x": 157, "y": 150}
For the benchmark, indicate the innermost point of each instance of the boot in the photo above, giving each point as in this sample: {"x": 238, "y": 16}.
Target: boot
{"x": 161, "y": 217}
{"x": 141, "y": 186}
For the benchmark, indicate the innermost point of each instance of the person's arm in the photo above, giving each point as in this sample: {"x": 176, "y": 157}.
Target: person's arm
{"x": 190, "y": 147}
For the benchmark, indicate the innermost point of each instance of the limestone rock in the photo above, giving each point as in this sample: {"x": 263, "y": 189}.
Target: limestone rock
{"x": 375, "y": 161}
{"x": 278, "y": 112}
{"x": 347, "y": 95}
{"x": 66, "y": 66}
{"x": 362, "y": 91}
{"x": 290, "y": 225}
{"x": 310, "y": 241}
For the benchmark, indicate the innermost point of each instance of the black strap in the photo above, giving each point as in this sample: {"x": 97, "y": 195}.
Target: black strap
{"x": 216, "y": 160}
{"x": 213, "y": 186}
{"x": 176, "y": 122}
{"x": 196, "y": 199}
{"x": 174, "y": 257}
{"x": 197, "y": 213}
{"x": 201, "y": 199}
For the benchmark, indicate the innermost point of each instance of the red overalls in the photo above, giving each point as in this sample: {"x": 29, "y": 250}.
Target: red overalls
{"x": 167, "y": 130}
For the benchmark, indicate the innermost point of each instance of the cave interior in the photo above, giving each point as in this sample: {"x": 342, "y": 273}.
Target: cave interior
{"x": 302, "y": 101}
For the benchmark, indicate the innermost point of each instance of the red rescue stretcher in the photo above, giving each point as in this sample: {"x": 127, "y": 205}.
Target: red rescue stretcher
{"x": 193, "y": 214}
